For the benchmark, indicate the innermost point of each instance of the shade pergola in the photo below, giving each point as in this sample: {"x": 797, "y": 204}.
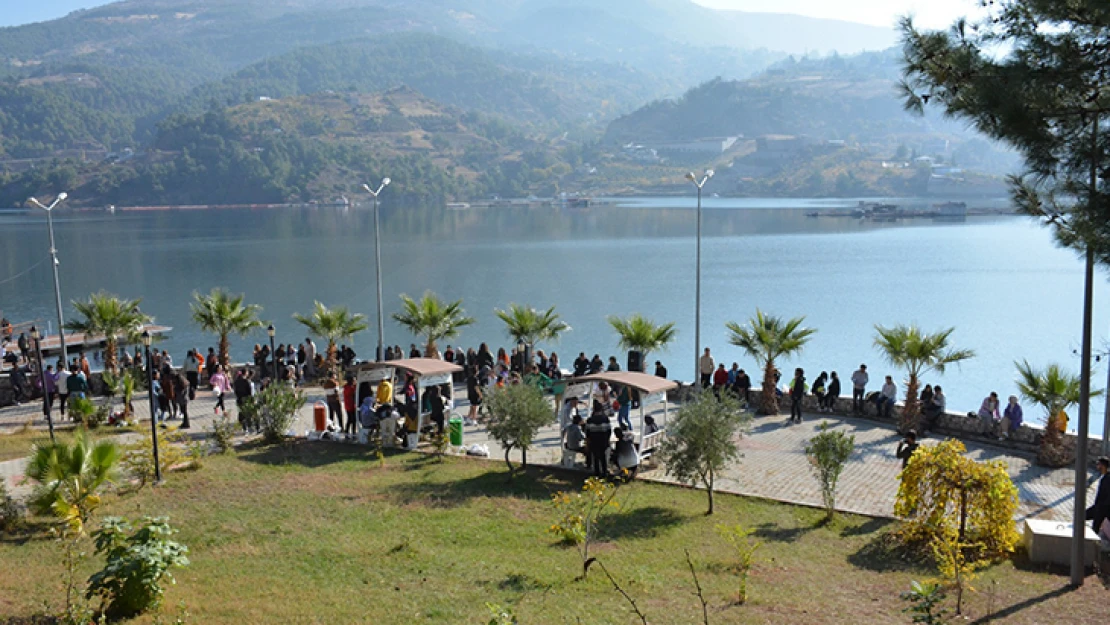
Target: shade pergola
{"x": 426, "y": 372}
{"x": 652, "y": 388}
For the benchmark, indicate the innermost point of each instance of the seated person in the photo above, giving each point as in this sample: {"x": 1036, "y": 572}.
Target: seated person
{"x": 933, "y": 408}
{"x": 650, "y": 427}
{"x": 574, "y": 436}
{"x": 625, "y": 455}
{"x": 367, "y": 415}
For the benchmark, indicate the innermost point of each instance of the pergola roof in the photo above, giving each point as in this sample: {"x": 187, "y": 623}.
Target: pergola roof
{"x": 416, "y": 366}
{"x": 642, "y": 382}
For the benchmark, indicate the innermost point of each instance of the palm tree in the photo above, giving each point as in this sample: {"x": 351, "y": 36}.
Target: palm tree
{"x": 530, "y": 326}
{"x": 642, "y": 334}
{"x": 432, "y": 319}
{"x": 918, "y": 353}
{"x": 70, "y": 477}
{"x": 767, "y": 338}
{"x": 332, "y": 324}
{"x": 1054, "y": 389}
{"x": 224, "y": 314}
{"x": 113, "y": 318}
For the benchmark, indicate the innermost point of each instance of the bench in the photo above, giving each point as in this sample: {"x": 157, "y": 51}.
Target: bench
{"x": 649, "y": 444}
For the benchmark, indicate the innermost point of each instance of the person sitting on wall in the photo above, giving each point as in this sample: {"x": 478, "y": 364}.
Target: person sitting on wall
{"x": 576, "y": 438}
{"x": 933, "y": 409}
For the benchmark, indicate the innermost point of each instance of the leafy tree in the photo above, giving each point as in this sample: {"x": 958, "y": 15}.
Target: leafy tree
{"x": 516, "y": 414}
{"x": 114, "y": 318}
{"x": 527, "y": 324}
{"x": 768, "y": 338}
{"x": 1054, "y": 389}
{"x": 918, "y": 353}
{"x": 944, "y": 495}
{"x": 137, "y": 560}
{"x": 828, "y": 451}
{"x": 639, "y": 333}
{"x": 123, "y": 386}
{"x": 70, "y": 477}
{"x": 276, "y": 408}
{"x": 224, "y": 314}
{"x": 332, "y": 325}
{"x": 433, "y": 319}
{"x": 701, "y": 440}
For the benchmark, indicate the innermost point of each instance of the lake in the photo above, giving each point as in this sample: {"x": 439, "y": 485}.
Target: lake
{"x": 1010, "y": 293}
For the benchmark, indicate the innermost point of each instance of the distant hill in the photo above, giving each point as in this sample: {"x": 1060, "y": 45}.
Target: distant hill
{"x": 305, "y": 148}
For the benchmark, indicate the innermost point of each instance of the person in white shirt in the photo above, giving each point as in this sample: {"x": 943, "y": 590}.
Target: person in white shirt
{"x": 62, "y": 388}
{"x": 889, "y": 396}
{"x": 859, "y": 384}
{"x": 705, "y": 368}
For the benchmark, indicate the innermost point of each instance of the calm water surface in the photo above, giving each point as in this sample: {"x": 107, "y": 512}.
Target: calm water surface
{"x": 999, "y": 280}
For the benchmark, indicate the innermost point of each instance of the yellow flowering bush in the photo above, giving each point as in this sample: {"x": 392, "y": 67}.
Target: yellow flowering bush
{"x": 580, "y": 515}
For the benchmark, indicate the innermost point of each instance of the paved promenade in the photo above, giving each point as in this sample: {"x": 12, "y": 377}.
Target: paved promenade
{"x": 774, "y": 465}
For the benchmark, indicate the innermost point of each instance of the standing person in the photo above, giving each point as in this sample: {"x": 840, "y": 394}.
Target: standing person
{"x": 414, "y": 352}
{"x": 554, "y": 370}
{"x": 437, "y": 408}
{"x": 889, "y": 396}
{"x": 389, "y": 353}
{"x": 660, "y": 370}
{"x": 302, "y": 362}
{"x": 51, "y": 379}
{"x": 85, "y": 367}
{"x": 159, "y": 397}
{"x": 211, "y": 361}
{"x": 797, "y": 392}
{"x": 598, "y": 433}
{"x": 77, "y": 384}
{"x": 906, "y": 448}
{"x": 819, "y": 390}
{"x": 309, "y": 358}
{"x": 732, "y": 373}
{"x": 335, "y": 406}
{"x": 169, "y": 390}
{"x": 220, "y": 386}
{"x": 242, "y": 389}
{"x": 859, "y": 386}
{"x": 61, "y": 383}
{"x": 1011, "y": 418}
{"x": 613, "y": 364}
{"x": 473, "y": 394}
{"x": 183, "y": 392}
{"x": 720, "y": 380}
{"x": 24, "y": 347}
{"x": 192, "y": 372}
{"x": 833, "y": 393}
{"x": 1100, "y": 509}
{"x": 349, "y": 403}
{"x": 705, "y": 368}
{"x": 624, "y": 401}
{"x": 279, "y": 354}
{"x": 485, "y": 357}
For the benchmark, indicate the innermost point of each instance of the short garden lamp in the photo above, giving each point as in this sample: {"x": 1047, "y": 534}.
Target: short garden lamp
{"x": 153, "y": 408}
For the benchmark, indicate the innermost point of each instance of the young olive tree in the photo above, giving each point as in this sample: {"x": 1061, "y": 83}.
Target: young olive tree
{"x": 516, "y": 414}
{"x": 701, "y": 440}
{"x": 828, "y": 452}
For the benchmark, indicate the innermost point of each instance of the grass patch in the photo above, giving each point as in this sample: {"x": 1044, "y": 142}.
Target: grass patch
{"x": 18, "y": 444}
{"x": 320, "y": 533}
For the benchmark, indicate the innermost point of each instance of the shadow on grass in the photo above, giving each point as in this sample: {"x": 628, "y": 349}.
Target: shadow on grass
{"x": 521, "y": 583}
{"x": 868, "y": 527}
{"x": 30, "y": 531}
{"x": 776, "y": 533}
{"x": 645, "y": 522}
{"x": 529, "y": 483}
{"x": 885, "y": 554}
{"x": 1028, "y": 603}
{"x": 308, "y": 454}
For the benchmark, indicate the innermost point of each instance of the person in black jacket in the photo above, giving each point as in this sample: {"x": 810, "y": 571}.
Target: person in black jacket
{"x": 581, "y": 365}
{"x": 598, "y": 433}
{"x": 833, "y": 392}
{"x": 1100, "y": 509}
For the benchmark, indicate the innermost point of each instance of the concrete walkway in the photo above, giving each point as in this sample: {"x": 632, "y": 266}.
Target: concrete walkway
{"x": 773, "y": 466}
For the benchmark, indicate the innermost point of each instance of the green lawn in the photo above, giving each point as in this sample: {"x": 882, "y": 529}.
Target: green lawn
{"x": 18, "y": 444}
{"x": 319, "y": 533}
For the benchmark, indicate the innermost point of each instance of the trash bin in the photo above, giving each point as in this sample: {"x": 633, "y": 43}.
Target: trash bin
{"x": 455, "y": 428}
{"x": 389, "y": 432}
{"x": 320, "y": 416}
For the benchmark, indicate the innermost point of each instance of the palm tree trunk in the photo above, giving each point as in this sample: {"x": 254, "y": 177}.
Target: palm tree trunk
{"x": 430, "y": 348}
{"x": 912, "y": 408}
{"x": 332, "y": 365}
{"x": 110, "y": 350}
{"x": 769, "y": 400}
{"x": 225, "y": 348}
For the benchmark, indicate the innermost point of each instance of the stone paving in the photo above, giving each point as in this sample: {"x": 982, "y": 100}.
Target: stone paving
{"x": 773, "y": 465}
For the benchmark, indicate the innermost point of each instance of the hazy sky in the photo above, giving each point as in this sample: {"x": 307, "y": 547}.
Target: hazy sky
{"x": 930, "y": 13}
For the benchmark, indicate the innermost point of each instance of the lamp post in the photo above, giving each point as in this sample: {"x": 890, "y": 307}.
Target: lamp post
{"x": 54, "y": 256}
{"x": 35, "y": 336}
{"x": 378, "y": 265}
{"x": 150, "y": 396}
{"x": 522, "y": 353}
{"x": 697, "y": 274}
{"x": 273, "y": 355}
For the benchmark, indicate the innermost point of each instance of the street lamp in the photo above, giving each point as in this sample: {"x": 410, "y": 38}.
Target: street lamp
{"x": 54, "y": 254}
{"x": 35, "y": 336}
{"x": 273, "y": 355}
{"x": 150, "y": 396}
{"x": 697, "y": 279}
{"x": 522, "y": 353}
{"x": 378, "y": 264}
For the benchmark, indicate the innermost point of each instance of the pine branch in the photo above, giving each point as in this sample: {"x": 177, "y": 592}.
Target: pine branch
{"x": 697, "y": 584}
{"x": 631, "y": 601}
